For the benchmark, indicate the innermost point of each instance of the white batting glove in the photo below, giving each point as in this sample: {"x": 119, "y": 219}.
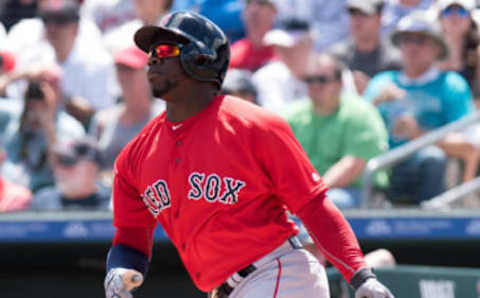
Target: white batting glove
{"x": 372, "y": 288}
{"x": 120, "y": 281}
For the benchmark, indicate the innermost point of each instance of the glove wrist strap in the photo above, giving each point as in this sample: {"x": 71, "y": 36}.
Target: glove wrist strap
{"x": 360, "y": 277}
{"x": 126, "y": 257}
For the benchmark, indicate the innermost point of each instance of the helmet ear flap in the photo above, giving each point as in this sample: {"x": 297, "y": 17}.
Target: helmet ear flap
{"x": 187, "y": 57}
{"x": 201, "y": 60}
{"x": 197, "y": 64}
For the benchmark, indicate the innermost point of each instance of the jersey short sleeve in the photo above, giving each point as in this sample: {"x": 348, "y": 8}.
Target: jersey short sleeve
{"x": 294, "y": 179}
{"x": 365, "y": 133}
{"x": 458, "y": 97}
{"x": 128, "y": 207}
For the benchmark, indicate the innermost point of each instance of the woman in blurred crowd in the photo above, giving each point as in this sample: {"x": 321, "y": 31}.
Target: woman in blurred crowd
{"x": 461, "y": 35}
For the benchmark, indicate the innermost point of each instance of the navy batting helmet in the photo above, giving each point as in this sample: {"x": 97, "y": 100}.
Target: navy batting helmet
{"x": 205, "y": 51}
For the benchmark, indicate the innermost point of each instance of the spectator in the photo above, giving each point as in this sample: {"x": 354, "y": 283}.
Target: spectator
{"x": 251, "y": 53}
{"x": 76, "y": 169}
{"x": 328, "y": 19}
{"x": 147, "y": 12}
{"x": 108, "y": 14}
{"x": 13, "y": 197}
{"x": 42, "y": 123}
{"x": 462, "y": 38}
{"x": 279, "y": 82}
{"x": 116, "y": 126}
{"x": 12, "y": 11}
{"x": 397, "y": 9}
{"x": 418, "y": 99}
{"x": 87, "y": 75}
{"x": 352, "y": 128}
{"x": 27, "y": 40}
{"x": 238, "y": 82}
{"x": 366, "y": 53}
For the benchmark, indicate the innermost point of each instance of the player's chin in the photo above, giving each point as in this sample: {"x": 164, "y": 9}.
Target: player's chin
{"x": 162, "y": 91}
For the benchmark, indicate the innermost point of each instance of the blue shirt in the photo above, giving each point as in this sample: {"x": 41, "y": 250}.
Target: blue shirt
{"x": 443, "y": 99}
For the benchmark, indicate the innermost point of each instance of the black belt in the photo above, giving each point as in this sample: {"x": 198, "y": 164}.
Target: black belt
{"x": 225, "y": 289}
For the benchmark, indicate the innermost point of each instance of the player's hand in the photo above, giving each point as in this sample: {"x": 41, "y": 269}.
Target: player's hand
{"x": 372, "y": 288}
{"x": 120, "y": 281}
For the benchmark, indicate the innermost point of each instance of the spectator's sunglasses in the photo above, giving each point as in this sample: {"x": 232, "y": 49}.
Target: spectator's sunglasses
{"x": 65, "y": 160}
{"x": 455, "y": 10}
{"x": 165, "y": 50}
{"x": 321, "y": 79}
{"x": 419, "y": 39}
{"x": 58, "y": 20}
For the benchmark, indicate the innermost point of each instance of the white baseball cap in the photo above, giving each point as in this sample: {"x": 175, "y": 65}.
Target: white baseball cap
{"x": 288, "y": 35}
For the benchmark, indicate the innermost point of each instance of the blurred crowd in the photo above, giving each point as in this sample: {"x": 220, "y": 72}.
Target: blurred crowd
{"x": 354, "y": 79}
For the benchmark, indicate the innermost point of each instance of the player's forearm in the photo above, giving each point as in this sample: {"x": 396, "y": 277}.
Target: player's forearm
{"x": 333, "y": 235}
{"x": 138, "y": 238}
{"x": 344, "y": 172}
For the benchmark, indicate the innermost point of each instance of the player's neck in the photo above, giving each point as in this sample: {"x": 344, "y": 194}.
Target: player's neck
{"x": 187, "y": 106}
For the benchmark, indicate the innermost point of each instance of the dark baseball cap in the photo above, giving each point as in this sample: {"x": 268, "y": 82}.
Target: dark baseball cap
{"x": 59, "y": 11}
{"x": 270, "y": 2}
{"x": 70, "y": 152}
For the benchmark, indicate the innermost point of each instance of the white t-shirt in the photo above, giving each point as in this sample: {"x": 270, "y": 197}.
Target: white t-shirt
{"x": 87, "y": 72}
{"x": 27, "y": 40}
{"x": 277, "y": 86}
{"x": 121, "y": 37}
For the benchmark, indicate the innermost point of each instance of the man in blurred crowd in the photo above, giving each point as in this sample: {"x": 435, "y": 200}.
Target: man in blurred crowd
{"x": 116, "y": 126}
{"x": 76, "y": 167}
{"x": 59, "y": 36}
{"x": 251, "y": 53}
{"x": 88, "y": 73}
{"x": 42, "y": 123}
{"x": 365, "y": 53}
{"x": 339, "y": 132}
{"x": 418, "y": 99}
{"x": 279, "y": 83}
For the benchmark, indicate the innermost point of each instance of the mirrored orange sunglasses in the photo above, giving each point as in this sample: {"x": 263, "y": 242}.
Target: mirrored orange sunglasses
{"x": 165, "y": 51}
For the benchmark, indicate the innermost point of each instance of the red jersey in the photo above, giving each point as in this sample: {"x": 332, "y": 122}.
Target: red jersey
{"x": 245, "y": 56}
{"x": 13, "y": 197}
{"x": 219, "y": 184}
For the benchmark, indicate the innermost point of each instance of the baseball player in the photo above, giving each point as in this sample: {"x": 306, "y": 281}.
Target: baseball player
{"x": 219, "y": 173}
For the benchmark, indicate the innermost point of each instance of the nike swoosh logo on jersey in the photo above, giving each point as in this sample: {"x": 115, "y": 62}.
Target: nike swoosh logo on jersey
{"x": 175, "y": 127}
